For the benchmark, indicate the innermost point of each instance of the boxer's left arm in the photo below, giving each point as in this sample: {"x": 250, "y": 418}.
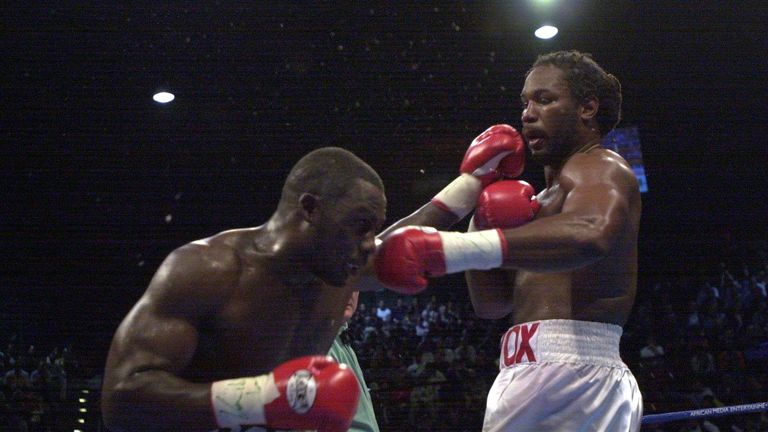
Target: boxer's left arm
{"x": 598, "y": 205}
{"x": 498, "y": 152}
{"x": 593, "y": 218}
{"x": 504, "y": 204}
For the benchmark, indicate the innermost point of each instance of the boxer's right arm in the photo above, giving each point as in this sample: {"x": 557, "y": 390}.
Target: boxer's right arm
{"x": 142, "y": 389}
{"x": 490, "y": 291}
{"x": 410, "y": 255}
{"x": 504, "y": 204}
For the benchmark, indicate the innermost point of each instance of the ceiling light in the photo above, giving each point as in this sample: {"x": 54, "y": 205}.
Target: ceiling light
{"x": 163, "y": 97}
{"x": 546, "y": 32}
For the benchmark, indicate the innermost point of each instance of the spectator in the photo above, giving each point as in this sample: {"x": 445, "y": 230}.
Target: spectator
{"x": 422, "y": 329}
{"x": 17, "y": 378}
{"x": 383, "y": 312}
{"x": 399, "y": 311}
{"x": 652, "y": 351}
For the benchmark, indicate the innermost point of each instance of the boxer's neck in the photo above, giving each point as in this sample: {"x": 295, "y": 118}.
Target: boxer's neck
{"x": 552, "y": 172}
{"x": 282, "y": 242}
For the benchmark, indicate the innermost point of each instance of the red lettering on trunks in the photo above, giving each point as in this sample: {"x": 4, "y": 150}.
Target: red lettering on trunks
{"x": 521, "y": 344}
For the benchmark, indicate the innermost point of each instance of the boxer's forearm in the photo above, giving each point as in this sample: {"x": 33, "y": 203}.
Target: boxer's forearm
{"x": 557, "y": 243}
{"x": 157, "y": 401}
{"x": 490, "y": 290}
{"x": 428, "y": 215}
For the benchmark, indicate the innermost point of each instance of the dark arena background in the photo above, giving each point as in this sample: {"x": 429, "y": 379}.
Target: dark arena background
{"x": 100, "y": 182}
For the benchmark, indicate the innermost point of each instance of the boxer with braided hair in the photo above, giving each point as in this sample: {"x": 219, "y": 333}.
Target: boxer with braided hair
{"x": 568, "y": 278}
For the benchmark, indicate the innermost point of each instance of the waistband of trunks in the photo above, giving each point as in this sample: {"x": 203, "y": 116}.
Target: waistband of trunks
{"x": 560, "y": 340}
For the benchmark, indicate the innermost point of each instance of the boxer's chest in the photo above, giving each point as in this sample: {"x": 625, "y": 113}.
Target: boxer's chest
{"x": 258, "y": 329}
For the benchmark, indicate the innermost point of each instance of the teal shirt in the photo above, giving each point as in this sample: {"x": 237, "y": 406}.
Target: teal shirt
{"x": 365, "y": 418}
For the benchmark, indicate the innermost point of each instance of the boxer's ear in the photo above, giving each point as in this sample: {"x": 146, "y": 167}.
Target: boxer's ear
{"x": 309, "y": 205}
{"x": 589, "y": 108}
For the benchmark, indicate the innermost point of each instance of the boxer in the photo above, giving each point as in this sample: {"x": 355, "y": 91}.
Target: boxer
{"x": 232, "y": 330}
{"x": 568, "y": 277}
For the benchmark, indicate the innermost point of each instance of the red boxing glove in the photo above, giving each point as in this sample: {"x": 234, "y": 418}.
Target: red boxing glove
{"x": 408, "y": 256}
{"x": 499, "y": 151}
{"x": 312, "y": 392}
{"x": 411, "y": 254}
{"x": 506, "y": 204}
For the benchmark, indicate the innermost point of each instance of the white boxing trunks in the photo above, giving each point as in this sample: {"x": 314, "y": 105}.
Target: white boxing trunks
{"x": 563, "y": 375}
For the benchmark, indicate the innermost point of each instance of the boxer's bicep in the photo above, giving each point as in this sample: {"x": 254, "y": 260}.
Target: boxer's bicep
{"x": 161, "y": 333}
{"x": 156, "y": 339}
{"x": 599, "y": 200}
{"x": 490, "y": 291}
{"x": 144, "y": 384}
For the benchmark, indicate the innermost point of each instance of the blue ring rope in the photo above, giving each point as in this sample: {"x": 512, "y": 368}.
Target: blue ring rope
{"x": 706, "y": 412}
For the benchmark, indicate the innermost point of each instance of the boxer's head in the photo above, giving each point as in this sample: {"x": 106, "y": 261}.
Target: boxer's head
{"x": 341, "y": 202}
{"x": 566, "y": 97}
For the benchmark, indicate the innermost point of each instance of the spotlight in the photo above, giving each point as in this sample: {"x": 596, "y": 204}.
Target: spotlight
{"x": 546, "y": 32}
{"x": 163, "y": 97}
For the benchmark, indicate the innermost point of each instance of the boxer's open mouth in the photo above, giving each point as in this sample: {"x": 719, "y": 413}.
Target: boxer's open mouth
{"x": 535, "y": 138}
{"x": 535, "y": 143}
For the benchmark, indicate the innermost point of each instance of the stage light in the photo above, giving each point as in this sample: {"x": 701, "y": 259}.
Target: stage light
{"x": 546, "y": 32}
{"x": 163, "y": 97}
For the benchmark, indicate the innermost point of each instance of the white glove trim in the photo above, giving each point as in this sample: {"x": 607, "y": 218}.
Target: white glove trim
{"x": 460, "y": 196}
{"x": 241, "y": 401}
{"x": 478, "y": 250}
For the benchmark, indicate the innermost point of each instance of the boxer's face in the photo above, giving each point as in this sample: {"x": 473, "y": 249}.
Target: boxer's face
{"x": 346, "y": 234}
{"x": 550, "y": 116}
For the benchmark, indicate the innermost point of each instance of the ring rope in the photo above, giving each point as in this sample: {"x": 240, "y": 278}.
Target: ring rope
{"x": 706, "y": 412}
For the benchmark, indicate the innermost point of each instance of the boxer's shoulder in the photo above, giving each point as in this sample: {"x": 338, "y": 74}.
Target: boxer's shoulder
{"x": 595, "y": 166}
{"x": 200, "y": 270}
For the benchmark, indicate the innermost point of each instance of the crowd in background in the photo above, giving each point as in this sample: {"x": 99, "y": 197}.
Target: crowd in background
{"x": 34, "y": 386}
{"x": 695, "y": 339}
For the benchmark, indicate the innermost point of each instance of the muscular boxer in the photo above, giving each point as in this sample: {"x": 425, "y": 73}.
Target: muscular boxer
{"x": 233, "y": 329}
{"x": 568, "y": 277}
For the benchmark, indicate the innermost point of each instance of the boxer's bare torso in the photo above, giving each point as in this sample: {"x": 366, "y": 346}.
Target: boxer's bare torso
{"x": 238, "y": 320}
{"x": 578, "y": 258}
{"x": 601, "y": 291}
